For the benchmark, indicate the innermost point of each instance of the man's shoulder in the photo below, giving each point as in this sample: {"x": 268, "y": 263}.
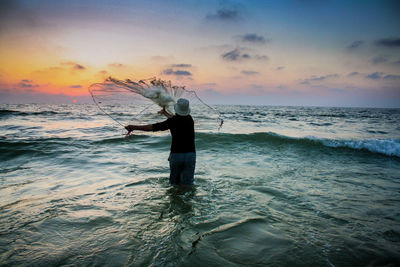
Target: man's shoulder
{"x": 162, "y": 126}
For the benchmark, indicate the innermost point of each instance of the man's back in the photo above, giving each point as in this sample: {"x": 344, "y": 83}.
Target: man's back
{"x": 182, "y": 131}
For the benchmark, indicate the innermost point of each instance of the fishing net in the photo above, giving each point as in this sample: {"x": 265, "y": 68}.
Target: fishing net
{"x": 140, "y": 102}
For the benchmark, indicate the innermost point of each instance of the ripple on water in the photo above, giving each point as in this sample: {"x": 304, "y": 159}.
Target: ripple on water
{"x": 245, "y": 241}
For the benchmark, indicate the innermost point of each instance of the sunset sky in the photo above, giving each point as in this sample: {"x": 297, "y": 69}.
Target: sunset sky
{"x": 299, "y": 52}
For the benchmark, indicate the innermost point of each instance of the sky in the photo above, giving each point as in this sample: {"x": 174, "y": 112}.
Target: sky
{"x": 298, "y": 52}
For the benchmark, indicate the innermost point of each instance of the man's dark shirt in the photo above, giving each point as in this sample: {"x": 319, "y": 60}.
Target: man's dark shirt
{"x": 182, "y": 131}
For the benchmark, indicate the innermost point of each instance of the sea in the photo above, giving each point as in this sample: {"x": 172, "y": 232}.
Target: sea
{"x": 275, "y": 186}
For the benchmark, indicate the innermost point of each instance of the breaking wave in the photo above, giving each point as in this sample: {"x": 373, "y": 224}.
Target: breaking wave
{"x": 388, "y": 147}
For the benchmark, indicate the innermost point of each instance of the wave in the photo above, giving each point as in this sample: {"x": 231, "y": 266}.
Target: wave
{"x": 388, "y": 147}
{"x": 308, "y": 114}
{"x": 7, "y": 112}
{"x": 321, "y": 124}
{"x": 121, "y": 116}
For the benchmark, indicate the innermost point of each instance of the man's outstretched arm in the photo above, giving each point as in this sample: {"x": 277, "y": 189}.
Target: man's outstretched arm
{"x": 161, "y": 126}
{"x": 147, "y": 128}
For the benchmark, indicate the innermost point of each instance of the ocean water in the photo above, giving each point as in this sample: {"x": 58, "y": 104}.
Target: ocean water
{"x": 276, "y": 186}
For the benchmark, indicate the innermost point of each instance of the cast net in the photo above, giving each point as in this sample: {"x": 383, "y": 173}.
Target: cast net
{"x": 139, "y": 102}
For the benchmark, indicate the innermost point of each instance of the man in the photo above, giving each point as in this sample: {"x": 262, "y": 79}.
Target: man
{"x": 182, "y": 160}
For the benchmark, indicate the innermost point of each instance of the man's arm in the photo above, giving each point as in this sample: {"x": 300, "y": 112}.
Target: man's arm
{"x": 161, "y": 126}
{"x": 147, "y": 128}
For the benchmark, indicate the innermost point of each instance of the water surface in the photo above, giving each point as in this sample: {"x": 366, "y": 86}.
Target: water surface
{"x": 276, "y": 186}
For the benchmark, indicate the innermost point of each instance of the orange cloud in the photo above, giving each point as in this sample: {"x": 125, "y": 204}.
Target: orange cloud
{"x": 74, "y": 65}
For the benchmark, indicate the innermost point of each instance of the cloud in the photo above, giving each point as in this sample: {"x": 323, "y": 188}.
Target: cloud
{"x": 177, "y": 72}
{"x": 279, "y": 68}
{"x": 354, "y": 73}
{"x": 375, "y": 75}
{"x": 392, "y": 77}
{"x": 225, "y": 14}
{"x": 384, "y": 59}
{"x": 75, "y": 86}
{"x": 253, "y": 38}
{"x": 383, "y": 76}
{"x": 182, "y": 72}
{"x": 261, "y": 57}
{"x": 319, "y": 78}
{"x": 389, "y": 42}
{"x": 235, "y": 55}
{"x": 355, "y": 45}
{"x": 249, "y": 72}
{"x": 379, "y": 59}
{"x": 74, "y": 65}
{"x": 79, "y": 67}
{"x": 181, "y": 65}
{"x": 239, "y": 54}
{"x": 27, "y": 84}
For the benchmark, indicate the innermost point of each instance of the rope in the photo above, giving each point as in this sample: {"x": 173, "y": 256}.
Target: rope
{"x": 219, "y": 113}
{"x": 103, "y": 109}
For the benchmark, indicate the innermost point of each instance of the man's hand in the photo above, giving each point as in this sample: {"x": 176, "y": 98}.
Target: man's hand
{"x": 165, "y": 113}
{"x": 147, "y": 128}
{"x": 130, "y": 128}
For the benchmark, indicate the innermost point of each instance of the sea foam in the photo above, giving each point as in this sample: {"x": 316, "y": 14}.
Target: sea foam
{"x": 389, "y": 147}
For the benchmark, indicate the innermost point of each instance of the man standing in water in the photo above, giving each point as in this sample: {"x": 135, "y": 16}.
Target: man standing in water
{"x": 182, "y": 160}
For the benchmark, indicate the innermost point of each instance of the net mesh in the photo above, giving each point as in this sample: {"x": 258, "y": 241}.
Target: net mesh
{"x": 139, "y": 102}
